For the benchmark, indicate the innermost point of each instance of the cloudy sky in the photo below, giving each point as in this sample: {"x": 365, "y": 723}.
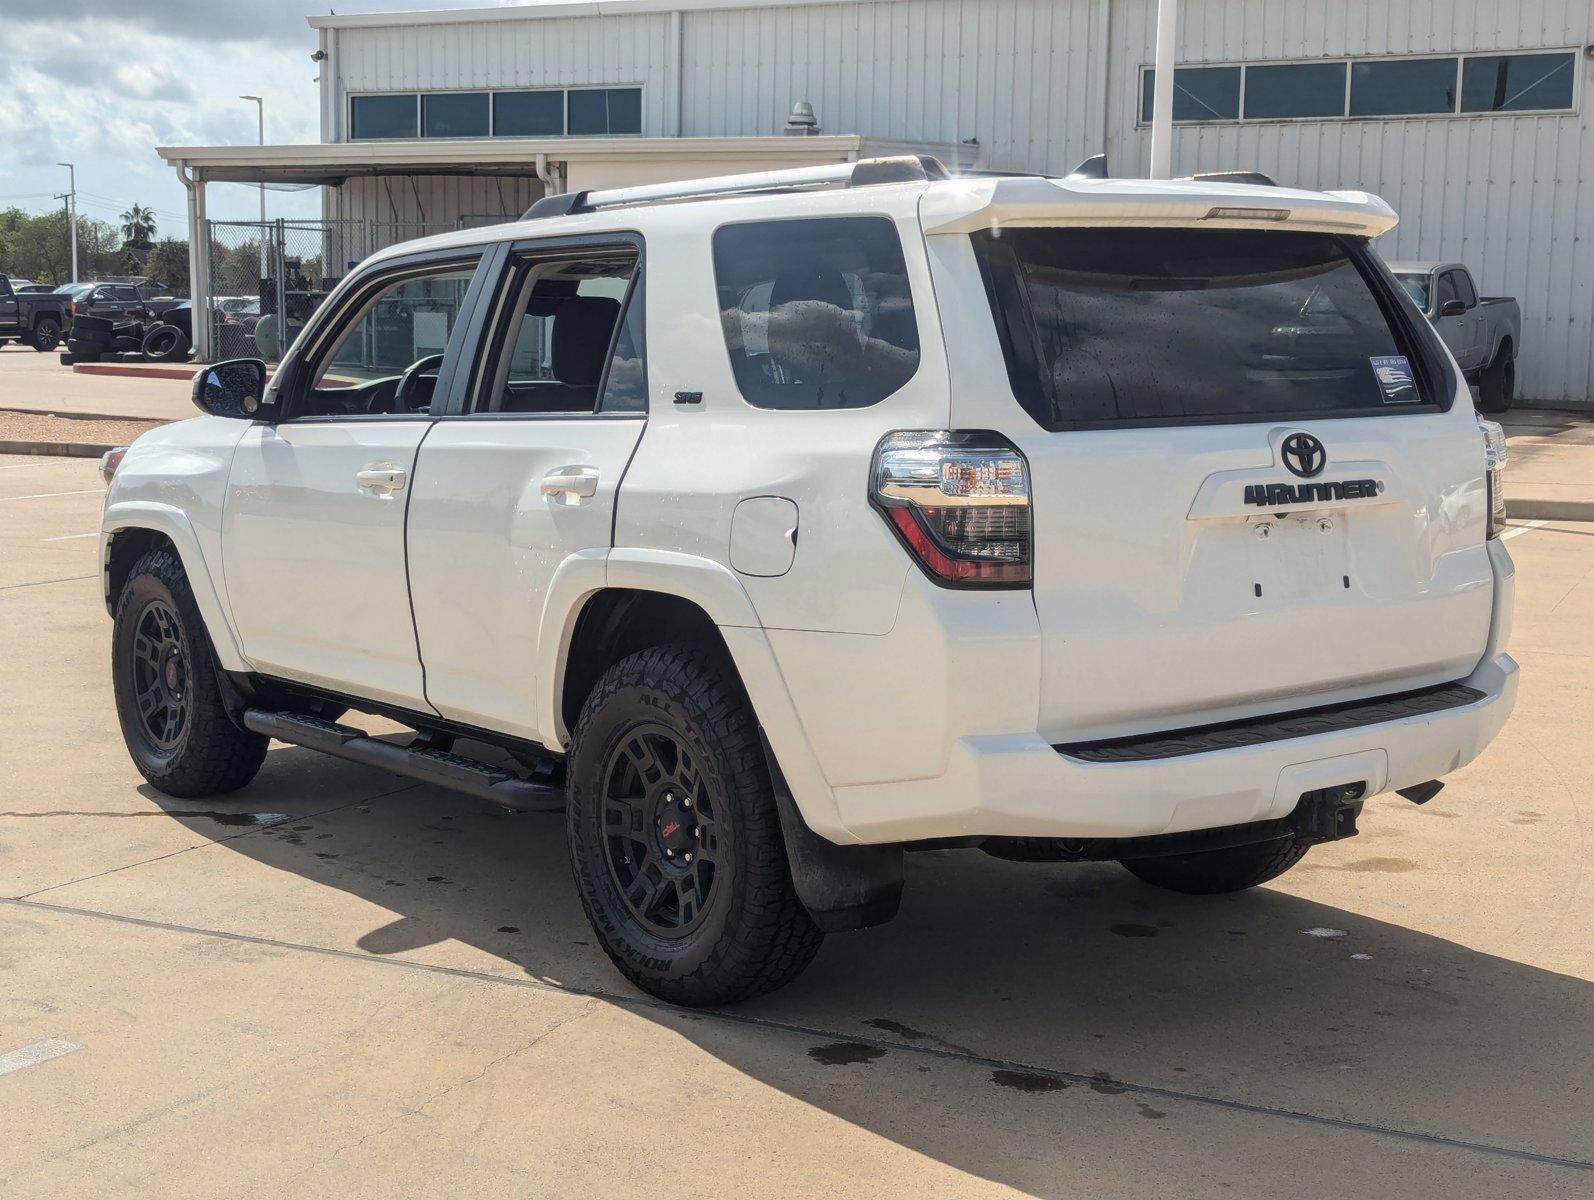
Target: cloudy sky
{"x": 102, "y": 84}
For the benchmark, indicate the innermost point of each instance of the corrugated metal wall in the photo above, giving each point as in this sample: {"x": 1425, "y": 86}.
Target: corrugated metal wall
{"x": 1022, "y": 76}
{"x": 556, "y": 52}
{"x": 1043, "y": 83}
{"x": 441, "y": 201}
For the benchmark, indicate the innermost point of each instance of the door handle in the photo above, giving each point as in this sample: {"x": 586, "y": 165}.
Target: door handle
{"x": 382, "y": 479}
{"x": 571, "y": 482}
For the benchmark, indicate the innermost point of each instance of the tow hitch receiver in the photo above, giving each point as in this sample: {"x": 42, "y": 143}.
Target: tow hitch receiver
{"x": 1328, "y": 814}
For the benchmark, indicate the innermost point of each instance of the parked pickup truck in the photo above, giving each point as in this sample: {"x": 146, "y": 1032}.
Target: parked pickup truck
{"x": 775, "y": 526}
{"x": 1484, "y": 333}
{"x": 32, "y": 317}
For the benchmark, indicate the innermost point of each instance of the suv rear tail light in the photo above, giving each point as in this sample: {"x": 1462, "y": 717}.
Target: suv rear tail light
{"x": 1494, "y": 458}
{"x": 960, "y": 503}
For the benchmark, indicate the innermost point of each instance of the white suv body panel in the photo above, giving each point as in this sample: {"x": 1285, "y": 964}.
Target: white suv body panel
{"x": 897, "y": 710}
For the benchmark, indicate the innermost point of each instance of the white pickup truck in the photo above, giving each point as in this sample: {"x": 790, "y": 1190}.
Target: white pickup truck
{"x": 775, "y": 526}
{"x": 1484, "y": 333}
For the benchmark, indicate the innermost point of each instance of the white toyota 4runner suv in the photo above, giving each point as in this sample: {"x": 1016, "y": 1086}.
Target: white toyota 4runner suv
{"x": 773, "y": 526}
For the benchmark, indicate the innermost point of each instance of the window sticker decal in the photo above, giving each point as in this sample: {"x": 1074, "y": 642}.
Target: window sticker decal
{"x": 1393, "y": 372}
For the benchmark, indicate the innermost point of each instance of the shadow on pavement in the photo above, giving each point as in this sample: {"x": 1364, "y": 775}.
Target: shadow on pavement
{"x": 1001, "y": 966}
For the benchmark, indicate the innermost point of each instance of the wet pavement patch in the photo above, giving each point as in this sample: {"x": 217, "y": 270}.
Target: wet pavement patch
{"x": 509, "y": 929}
{"x": 1145, "y": 1110}
{"x": 1105, "y": 1085}
{"x": 909, "y": 1034}
{"x": 242, "y": 820}
{"x": 1027, "y": 1081}
{"x": 845, "y": 1054}
{"x": 1129, "y": 929}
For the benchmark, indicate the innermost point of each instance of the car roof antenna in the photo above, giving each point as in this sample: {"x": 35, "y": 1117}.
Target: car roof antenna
{"x": 1094, "y": 167}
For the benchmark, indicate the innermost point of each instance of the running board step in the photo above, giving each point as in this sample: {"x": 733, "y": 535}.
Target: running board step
{"x": 447, "y": 770}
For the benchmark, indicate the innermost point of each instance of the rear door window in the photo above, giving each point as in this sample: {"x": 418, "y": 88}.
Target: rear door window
{"x": 816, "y": 313}
{"x": 1104, "y": 327}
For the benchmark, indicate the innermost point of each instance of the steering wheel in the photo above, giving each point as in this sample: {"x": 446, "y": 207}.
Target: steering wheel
{"x": 401, "y": 394}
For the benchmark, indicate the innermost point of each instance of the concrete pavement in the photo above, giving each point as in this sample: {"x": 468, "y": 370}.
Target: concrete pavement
{"x": 38, "y": 382}
{"x": 338, "y": 982}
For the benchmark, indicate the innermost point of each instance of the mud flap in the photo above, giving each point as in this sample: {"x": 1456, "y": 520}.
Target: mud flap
{"x": 842, "y": 887}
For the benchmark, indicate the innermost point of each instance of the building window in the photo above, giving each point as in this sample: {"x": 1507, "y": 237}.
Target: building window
{"x": 1517, "y": 82}
{"x": 1199, "y": 94}
{"x": 1334, "y": 89}
{"x": 382, "y": 117}
{"x": 454, "y": 114}
{"x": 1294, "y": 90}
{"x": 605, "y": 110}
{"x": 528, "y": 114}
{"x": 1400, "y": 87}
{"x": 542, "y": 112}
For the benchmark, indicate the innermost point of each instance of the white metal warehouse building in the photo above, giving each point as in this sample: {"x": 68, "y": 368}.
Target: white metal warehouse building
{"x": 1466, "y": 115}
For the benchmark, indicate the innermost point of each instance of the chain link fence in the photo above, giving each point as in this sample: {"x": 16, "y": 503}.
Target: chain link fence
{"x": 266, "y": 279}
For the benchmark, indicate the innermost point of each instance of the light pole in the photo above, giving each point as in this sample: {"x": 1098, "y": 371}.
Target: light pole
{"x": 71, "y": 212}
{"x": 260, "y": 106}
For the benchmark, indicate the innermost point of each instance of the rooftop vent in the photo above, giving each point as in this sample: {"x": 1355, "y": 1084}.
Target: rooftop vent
{"x": 802, "y": 122}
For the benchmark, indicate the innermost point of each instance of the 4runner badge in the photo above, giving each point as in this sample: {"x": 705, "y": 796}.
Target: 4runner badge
{"x": 1279, "y": 495}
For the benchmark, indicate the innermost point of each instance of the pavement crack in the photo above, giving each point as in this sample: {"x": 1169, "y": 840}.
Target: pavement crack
{"x": 11, "y": 587}
{"x": 187, "y": 849}
{"x": 811, "y": 1033}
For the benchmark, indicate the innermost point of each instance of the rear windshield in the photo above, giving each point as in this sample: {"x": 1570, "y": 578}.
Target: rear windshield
{"x": 1132, "y": 326}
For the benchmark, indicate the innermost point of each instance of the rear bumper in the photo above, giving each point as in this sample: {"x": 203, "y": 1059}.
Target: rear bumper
{"x": 1017, "y": 785}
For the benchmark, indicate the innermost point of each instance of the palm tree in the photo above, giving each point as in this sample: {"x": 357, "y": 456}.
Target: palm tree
{"x": 138, "y": 226}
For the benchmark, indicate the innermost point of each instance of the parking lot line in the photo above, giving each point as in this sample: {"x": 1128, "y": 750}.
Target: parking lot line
{"x": 69, "y": 537}
{"x": 32, "y": 1056}
{"x": 1516, "y": 530}
{"x": 51, "y": 495}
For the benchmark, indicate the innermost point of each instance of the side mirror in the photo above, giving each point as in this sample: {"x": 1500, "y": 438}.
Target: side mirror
{"x": 232, "y": 389}
{"x": 1453, "y": 308}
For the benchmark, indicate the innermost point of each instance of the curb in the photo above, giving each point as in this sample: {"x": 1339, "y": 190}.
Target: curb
{"x": 1549, "y": 510}
{"x": 56, "y": 449}
{"x": 130, "y": 371}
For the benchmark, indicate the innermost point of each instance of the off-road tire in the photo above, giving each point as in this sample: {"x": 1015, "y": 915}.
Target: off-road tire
{"x": 211, "y": 755}
{"x": 46, "y": 335}
{"x": 754, "y": 935}
{"x": 1212, "y": 872}
{"x": 1497, "y": 383}
{"x": 165, "y": 343}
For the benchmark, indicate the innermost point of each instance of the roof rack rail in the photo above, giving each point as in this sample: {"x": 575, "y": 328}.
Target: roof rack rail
{"x": 1255, "y": 177}
{"x": 907, "y": 168}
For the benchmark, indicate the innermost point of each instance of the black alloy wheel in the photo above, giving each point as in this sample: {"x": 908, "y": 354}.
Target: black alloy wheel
{"x": 164, "y": 676}
{"x": 660, "y": 831}
{"x": 160, "y": 675}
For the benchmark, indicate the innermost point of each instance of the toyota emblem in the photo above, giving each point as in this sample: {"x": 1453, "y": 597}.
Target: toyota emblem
{"x": 1303, "y": 455}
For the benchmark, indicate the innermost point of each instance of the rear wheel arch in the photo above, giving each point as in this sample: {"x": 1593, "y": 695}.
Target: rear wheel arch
{"x": 613, "y": 624}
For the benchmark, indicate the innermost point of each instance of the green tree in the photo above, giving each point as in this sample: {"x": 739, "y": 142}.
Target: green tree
{"x": 167, "y": 265}
{"x": 138, "y": 227}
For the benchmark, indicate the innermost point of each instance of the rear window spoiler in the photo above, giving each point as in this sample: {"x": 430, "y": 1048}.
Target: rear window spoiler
{"x": 966, "y": 205}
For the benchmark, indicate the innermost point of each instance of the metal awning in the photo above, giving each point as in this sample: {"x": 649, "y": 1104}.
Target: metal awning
{"x": 331, "y": 163}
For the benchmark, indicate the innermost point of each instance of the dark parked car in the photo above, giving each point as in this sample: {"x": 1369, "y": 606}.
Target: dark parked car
{"x": 118, "y": 301}
{"x": 34, "y": 318}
